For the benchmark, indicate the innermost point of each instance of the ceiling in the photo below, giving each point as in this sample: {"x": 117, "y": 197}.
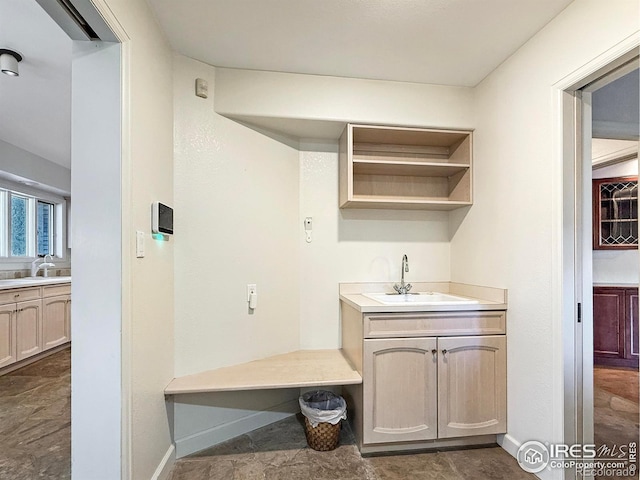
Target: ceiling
{"x": 448, "y": 42}
{"x": 36, "y": 106}
{"x": 429, "y": 41}
{"x": 616, "y": 108}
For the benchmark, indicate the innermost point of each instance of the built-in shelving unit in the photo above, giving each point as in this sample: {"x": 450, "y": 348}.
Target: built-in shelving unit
{"x": 405, "y": 168}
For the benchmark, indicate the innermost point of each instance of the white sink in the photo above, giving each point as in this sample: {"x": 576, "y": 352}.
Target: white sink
{"x": 419, "y": 298}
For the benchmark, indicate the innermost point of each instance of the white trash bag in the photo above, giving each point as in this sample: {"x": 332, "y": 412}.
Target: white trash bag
{"x": 321, "y": 406}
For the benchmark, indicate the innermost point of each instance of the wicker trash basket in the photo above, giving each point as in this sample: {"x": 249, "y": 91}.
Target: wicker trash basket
{"x": 323, "y": 414}
{"x": 323, "y": 437}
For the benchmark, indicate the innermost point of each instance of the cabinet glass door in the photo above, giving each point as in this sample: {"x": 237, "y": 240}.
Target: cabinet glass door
{"x": 615, "y": 213}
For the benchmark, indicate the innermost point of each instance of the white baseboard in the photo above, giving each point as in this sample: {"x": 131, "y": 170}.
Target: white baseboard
{"x": 510, "y": 444}
{"x": 222, "y": 433}
{"x": 165, "y": 465}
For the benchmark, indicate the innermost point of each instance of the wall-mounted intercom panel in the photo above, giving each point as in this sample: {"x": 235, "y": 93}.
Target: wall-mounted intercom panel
{"x": 161, "y": 218}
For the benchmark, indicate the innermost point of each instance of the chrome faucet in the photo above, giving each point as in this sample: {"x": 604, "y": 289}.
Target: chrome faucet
{"x": 403, "y": 288}
{"x": 44, "y": 266}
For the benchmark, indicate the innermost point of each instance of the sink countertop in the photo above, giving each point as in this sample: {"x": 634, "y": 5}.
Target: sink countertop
{"x": 488, "y": 298}
{"x": 32, "y": 282}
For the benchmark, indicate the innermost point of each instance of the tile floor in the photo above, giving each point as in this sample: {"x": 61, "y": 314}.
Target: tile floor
{"x": 279, "y": 452}
{"x": 615, "y": 408}
{"x": 35, "y": 420}
{"x": 35, "y": 439}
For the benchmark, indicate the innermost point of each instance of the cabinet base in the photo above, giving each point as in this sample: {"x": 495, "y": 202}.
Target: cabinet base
{"x": 27, "y": 361}
{"x": 381, "y": 448}
{"x": 615, "y": 362}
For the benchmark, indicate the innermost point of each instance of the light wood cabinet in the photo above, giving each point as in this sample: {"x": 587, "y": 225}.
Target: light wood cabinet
{"x": 420, "y": 391}
{"x": 28, "y": 328}
{"x": 400, "y": 394}
{"x": 56, "y": 320}
{"x": 472, "y": 386}
{"x": 405, "y": 168}
{"x": 8, "y": 350}
{"x": 33, "y": 320}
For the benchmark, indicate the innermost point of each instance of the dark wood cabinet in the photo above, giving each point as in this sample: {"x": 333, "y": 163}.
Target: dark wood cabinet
{"x": 615, "y": 326}
{"x": 615, "y": 213}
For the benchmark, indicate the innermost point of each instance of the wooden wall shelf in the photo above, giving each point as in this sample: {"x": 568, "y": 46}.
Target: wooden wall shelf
{"x": 405, "y": 168}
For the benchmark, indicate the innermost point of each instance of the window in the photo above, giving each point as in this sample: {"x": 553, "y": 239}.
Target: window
{"x": 31, "y": 225}
{"x": 44, "y": 228}
{"x": 19, "y": 226}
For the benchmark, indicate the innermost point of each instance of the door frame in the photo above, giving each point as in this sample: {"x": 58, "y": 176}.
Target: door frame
{"x": 93, "y": 348}
{"x": 573, "y": 359}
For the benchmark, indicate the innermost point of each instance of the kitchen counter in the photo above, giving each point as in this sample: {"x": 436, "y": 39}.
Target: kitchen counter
{"x": 32, "y": 282}
{"x": 616, "y": 285}
{"x": 487, "y": 298}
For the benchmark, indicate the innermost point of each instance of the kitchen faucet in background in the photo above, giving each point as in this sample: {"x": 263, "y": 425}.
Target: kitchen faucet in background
{"x": 403, "y": 288}
{"x": 44, "y": 266}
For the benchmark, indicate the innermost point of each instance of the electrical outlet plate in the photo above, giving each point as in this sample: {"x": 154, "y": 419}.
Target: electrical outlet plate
{"x": 251, "y": 288}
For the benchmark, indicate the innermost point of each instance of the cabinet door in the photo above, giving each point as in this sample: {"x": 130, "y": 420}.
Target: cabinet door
{"x": 615, "y": 213}
{"x": 29, "y": 328}
{"x": 472, "y": 386}
{"x": 7, "y": 334}
{"x": 55, "y": 321}
{"x": 631, "y": 327}
{"x": 399, "y": 384}
{"x": 608, "y": 323}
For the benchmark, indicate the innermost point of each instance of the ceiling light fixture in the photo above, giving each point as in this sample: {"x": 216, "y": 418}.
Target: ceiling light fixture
{"x": 9, "y": 62}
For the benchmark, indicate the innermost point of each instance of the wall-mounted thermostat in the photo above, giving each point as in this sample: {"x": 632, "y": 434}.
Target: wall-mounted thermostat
{"x": 161, "y": 218}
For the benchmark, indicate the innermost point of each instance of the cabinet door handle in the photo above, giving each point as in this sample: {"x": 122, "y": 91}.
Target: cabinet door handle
{"x": 16, "y": 295}
{"x": 434, "y": 351}
{"x": 444, "y": 351}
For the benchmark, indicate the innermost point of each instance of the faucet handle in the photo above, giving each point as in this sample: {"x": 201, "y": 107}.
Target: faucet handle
{"x": 407, "y": 287}
{"x": 397, "y": 288}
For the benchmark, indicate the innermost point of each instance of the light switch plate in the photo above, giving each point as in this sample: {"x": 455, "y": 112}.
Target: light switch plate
{"x": 139, "y": 244}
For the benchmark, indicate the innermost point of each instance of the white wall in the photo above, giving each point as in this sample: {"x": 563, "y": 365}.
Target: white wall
{"x": 353, "y": 245}
{"x": 236, "y": 204}
{"x": 242, "y": 197}
{"x": 96, "y": 361}
{"x": 616, "y": 266}
{"x": 147, "y": 288}
{"x": 314, "y": 106}
{"x": 506, "y": 239}
{"x": 26, "y": 165}
{"x": 237, "y": 213}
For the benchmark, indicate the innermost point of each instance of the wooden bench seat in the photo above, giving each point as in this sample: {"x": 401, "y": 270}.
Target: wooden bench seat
{"x": 302, "y": 368}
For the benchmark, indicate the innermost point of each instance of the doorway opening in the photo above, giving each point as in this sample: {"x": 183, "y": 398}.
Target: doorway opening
{"x": 578, "y": 327}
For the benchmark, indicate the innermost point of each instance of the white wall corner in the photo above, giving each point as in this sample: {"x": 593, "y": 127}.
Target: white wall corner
{"x": 221, "y": 433}
{"x": 510, "y": 444}
{"x": 165, "y": 465}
